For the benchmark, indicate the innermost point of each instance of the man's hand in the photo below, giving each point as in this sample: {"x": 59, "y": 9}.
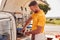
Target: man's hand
{"x": 25, "y": 25}
{"x": 27, "y": 33}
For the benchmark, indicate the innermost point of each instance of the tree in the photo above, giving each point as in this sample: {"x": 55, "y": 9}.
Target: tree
{"x": 45, "y": 8}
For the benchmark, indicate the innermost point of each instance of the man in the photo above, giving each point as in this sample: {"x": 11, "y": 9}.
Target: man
{"x": 38, "y": 18}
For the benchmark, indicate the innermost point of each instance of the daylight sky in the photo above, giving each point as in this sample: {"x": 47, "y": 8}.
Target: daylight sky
{"x": 55, "y": 8}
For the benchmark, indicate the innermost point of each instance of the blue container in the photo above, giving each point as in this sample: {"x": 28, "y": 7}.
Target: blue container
{"x": 19, "y": 29}
{"x": 29, "y": 27}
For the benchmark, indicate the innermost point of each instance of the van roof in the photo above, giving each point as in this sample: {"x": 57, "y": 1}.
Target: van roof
{"x": 12, "y": 5}
{"x": 4, "y": 15}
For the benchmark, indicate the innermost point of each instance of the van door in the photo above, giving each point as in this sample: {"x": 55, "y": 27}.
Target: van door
{"x": 7, "y": 27}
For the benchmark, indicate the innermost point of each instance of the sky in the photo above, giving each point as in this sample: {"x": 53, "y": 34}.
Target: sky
{"x": 55, "y": 8}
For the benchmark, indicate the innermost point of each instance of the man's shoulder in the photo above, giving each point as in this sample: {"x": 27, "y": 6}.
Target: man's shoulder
{"x": 41, "y": 13}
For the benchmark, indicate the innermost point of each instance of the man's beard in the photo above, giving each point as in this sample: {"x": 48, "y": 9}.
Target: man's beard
{"x": 36, "y": 11}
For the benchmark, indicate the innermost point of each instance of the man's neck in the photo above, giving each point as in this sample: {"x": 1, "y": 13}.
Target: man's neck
{"x": 37, "y": 11}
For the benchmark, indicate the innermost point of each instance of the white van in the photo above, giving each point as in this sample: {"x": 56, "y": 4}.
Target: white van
{"x": 7, "y": 26}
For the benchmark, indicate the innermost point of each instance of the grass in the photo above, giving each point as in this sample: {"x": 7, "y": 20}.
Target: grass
{"x": 54, "y": 21}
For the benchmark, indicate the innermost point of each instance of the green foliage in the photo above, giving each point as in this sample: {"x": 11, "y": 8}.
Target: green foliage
{"x": 45, "y": 8}
{"x": 53, "y": 21}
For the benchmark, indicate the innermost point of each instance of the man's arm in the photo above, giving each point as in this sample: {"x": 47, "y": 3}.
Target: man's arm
{"x": 37, "y": 31}
{"x": 27, "y": 23}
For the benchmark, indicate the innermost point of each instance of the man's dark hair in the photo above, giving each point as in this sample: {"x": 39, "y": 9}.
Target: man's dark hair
{"x": 33, "y": 3}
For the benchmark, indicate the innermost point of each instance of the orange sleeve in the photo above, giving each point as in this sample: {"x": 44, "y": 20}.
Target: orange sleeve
{"x": 41, "y": 21}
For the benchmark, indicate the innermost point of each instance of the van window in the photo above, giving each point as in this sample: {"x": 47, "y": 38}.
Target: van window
{"x": 5, "y": 29}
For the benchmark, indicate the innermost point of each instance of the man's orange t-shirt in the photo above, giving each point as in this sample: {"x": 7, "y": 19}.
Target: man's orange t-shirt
{"x": 38, "y": 19}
